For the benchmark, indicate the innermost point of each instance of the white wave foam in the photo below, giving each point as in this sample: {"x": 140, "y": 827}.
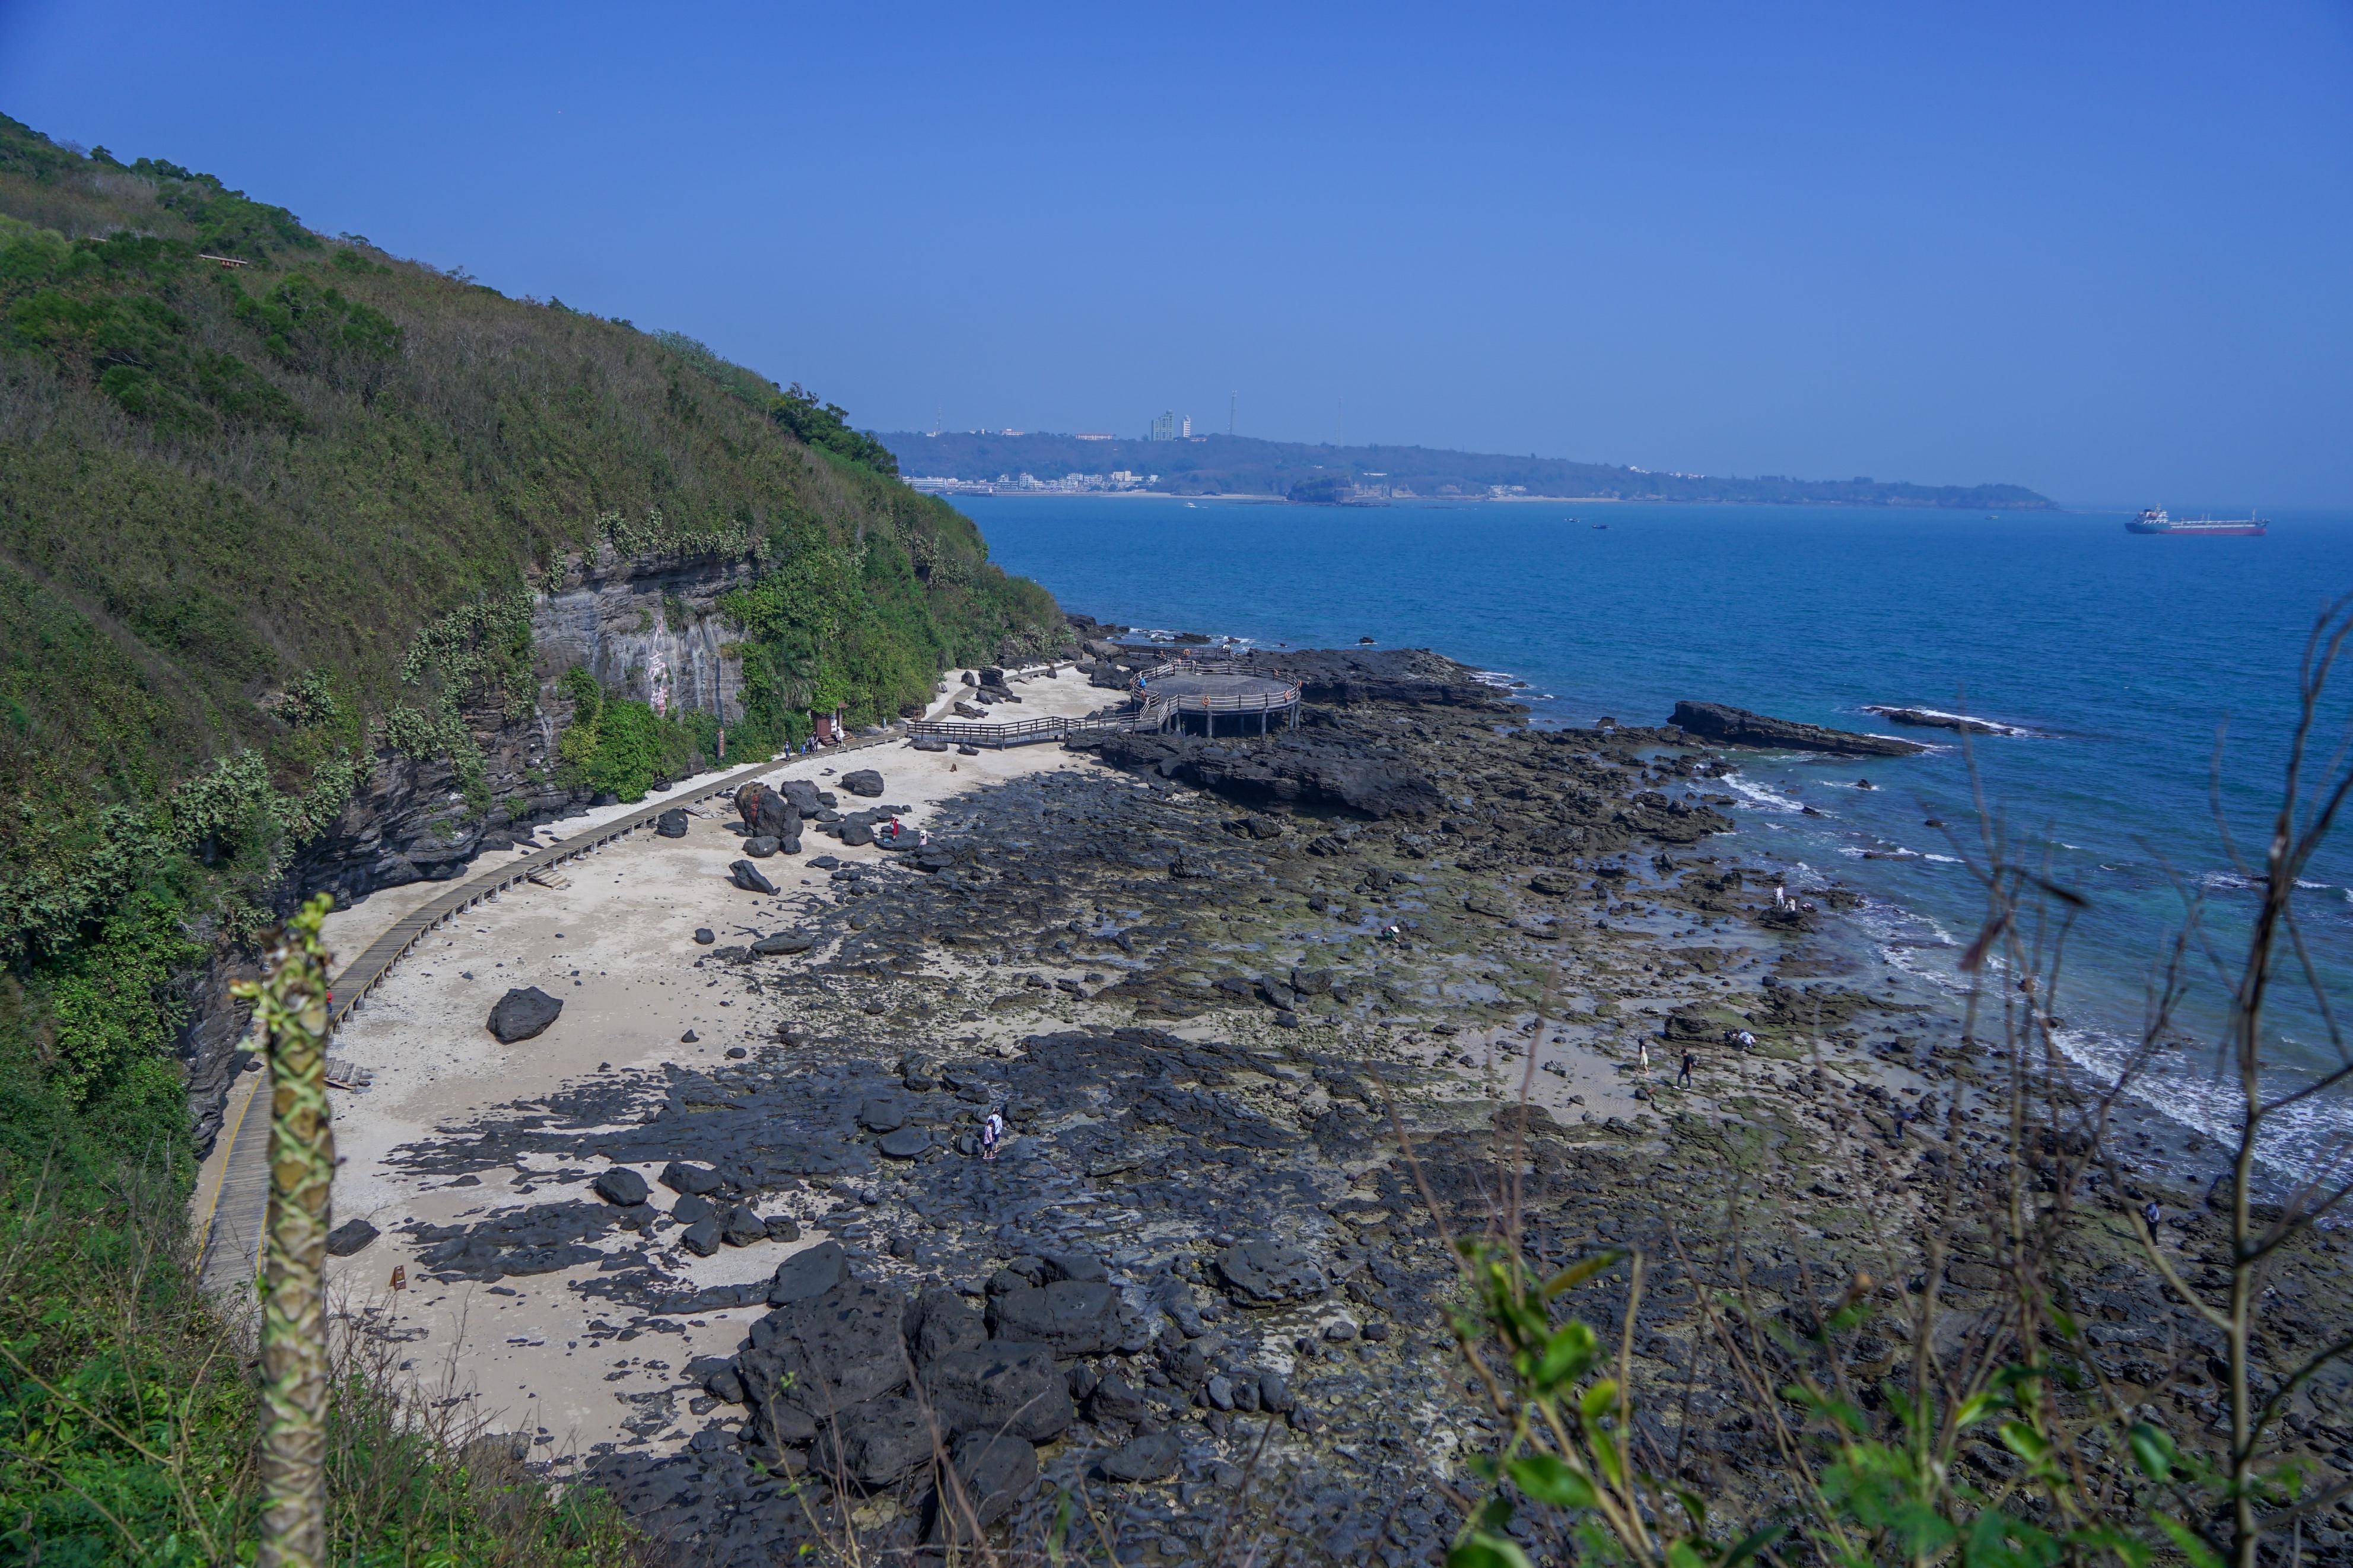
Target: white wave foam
{"x": 1758, "y": 796}
{"x": 1944, "y": 859}
{"x": 1982, "y": 726}
{"x": 2298, "y": 1138}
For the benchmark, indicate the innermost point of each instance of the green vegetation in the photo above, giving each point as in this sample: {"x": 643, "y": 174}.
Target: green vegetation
{"x": 260, "y": 524}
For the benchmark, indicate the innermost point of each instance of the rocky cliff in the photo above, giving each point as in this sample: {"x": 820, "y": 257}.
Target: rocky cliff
{"x": 648, "y": 628}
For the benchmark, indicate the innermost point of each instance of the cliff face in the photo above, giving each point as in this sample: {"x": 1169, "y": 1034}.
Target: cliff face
{"x": 646, "y": 628}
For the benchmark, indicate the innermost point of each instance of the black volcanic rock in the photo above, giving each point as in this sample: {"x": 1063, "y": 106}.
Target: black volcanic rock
{"x": 523, "y": 1013}
{"x": 746, "y": 875}
{"x": 1738, "y": 727}
{"x": 1347, "y": 677}
{"x": 1931, "y": 719}
{"x": 1069, "y": 1317}
{"x": 1309, "y": 771}
{"x": 620, "y": 1185}
{"x": 352, "y": 1236}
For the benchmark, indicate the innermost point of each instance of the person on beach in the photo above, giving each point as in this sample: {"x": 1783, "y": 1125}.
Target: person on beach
{"x": 990, "y": 1132}
{"x": 895, "y": 830}
{"x": 1642, "y": 1056}
{"x": 1683, "y": 1078}
{"x": 2152, "y": 1214}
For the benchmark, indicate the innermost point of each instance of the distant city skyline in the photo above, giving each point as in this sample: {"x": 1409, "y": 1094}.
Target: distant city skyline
{"x": 2096, "y": 251}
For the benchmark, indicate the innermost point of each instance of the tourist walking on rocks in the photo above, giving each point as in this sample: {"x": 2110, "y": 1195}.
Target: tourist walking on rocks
{"x": 990, "y": 1132}
{"x": 1683, "y": 1078}
{"x": 1643, "y": 1055}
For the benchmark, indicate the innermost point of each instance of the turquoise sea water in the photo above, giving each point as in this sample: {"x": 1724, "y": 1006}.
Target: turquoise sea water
{"x": 2122, "y": 655}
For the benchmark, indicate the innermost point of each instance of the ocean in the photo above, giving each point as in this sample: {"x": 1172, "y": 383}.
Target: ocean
{"x": 2126, "y": 659}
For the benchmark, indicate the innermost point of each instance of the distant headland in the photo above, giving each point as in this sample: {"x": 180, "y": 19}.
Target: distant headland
{"x": 963, "y": 461}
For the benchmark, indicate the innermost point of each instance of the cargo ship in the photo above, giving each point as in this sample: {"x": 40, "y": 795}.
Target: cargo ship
{"x": 2155, "y": 520}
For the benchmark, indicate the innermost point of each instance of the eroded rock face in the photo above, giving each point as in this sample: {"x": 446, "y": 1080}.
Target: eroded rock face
{"x": 616, "y": 618}
{"x": 1738, "y": 727}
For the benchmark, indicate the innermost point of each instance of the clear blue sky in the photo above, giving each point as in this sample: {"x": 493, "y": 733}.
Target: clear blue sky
{"x": 2100, "y": 249}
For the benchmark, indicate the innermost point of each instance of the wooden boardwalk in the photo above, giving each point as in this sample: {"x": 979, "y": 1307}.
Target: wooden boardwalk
{"x": 228, "y": 1218}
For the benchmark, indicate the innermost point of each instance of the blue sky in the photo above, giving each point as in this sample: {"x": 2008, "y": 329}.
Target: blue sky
{"x": 2103, "y": 250}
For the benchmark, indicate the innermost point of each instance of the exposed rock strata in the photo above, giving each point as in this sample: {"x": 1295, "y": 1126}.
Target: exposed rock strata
{"x": 1715, "y": 722}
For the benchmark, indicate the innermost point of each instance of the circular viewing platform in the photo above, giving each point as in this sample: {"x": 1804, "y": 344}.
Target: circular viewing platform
{"x": 1214, "y": 697}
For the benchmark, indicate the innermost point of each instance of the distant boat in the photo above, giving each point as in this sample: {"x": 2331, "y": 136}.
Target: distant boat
{"x": 1600, "y": 525}
{"x": 2155, "y": 520}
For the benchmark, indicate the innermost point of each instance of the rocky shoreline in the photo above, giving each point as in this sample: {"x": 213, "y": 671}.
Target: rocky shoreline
{"x": 1262, "y": 1016}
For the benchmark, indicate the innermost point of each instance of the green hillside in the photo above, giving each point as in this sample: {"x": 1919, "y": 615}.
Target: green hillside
{"x": 261, "y": 523}
{"x": 233, "y": 499}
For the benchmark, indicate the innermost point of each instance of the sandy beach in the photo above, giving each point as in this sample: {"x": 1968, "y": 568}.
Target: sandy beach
{"x": 1249, "y": 1011}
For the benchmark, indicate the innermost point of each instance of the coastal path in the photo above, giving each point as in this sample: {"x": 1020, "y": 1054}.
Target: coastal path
{"x": 229, "y": 1216}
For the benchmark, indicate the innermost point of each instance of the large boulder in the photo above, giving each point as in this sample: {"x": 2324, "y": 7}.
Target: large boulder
{"x": 808, "y": 1273}
{"x": 783, "y": 944}
{"x": 1269, "y": 1274}
{"x": 671, "y": 824}
{"x": 813, "y": 1361}
{"x": 803, "y": 796}
{"x": 939, "y": 1322}
{"x": 695, "y": 1181}
{"x": 1738, "y": 727}
{"x": 620, "y": 1185}
{"x": 1000, "y": 1387}
{"x": 746, "y": 875}
{"x": 523, "y": 1013}
{"x": 864, "y": 782}
{"x": 872, "y": 1445}
{"x": 352, "y": 1236}
{"x": 992, "y": 1474}
{"x": 1069, "y": 1317}
{"x": 1151, "y": 1458}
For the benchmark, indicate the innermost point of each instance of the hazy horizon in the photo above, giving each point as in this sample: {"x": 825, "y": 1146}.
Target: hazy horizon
{"x": 2096, "y": 254}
